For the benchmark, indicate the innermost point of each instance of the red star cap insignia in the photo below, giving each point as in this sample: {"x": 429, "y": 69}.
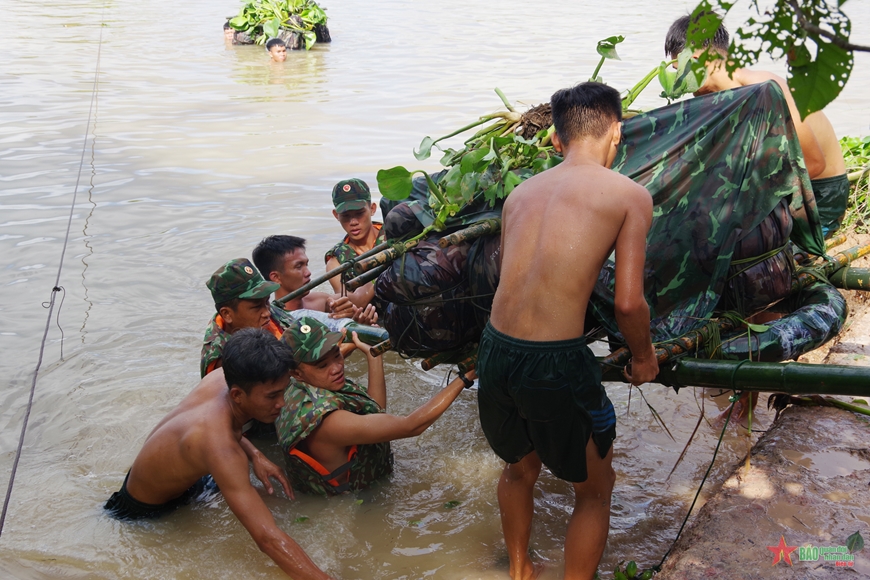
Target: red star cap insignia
{"x": 781, "y": 551}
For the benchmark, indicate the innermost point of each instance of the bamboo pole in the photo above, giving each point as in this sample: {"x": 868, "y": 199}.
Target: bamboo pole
{"x": 355, "y": 283}
{"x": 331, "y": 274}
{"x": 481, "y": 228}
{"x": 384, "y": 257}
{"x": 381, "y": 348}
{"x": 851, "y": 278}
{"x": 791, "y": 377}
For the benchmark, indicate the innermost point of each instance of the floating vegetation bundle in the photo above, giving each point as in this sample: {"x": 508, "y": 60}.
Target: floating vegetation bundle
{"x": 300, "y": 23}
{"x": 511, "y": 147}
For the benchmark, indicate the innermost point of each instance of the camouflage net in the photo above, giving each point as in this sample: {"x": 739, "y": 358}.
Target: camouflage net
{"x": 716, "y": 166}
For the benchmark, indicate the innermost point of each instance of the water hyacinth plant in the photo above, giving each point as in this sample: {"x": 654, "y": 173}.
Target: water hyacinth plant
{"x": 264, "y": 19}
{"x": 511, "y": 147}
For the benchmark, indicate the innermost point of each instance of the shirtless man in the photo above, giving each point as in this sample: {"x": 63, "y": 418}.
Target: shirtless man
{"x": 540, "y": 396}
{"x": 202, "y": 439}
{"x": 282, "y": 259}
{"x": 821, "y": 148}
{"x": 335, "y": 434}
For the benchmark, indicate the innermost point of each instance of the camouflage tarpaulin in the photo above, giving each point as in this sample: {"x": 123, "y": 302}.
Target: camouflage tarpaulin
{"x": 716, "y": 166}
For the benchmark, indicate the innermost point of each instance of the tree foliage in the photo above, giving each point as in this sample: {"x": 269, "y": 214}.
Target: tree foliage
{"x": 811, "y": 35}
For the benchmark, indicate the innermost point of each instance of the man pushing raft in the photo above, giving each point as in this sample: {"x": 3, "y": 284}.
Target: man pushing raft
{"x": 541, "y": 398}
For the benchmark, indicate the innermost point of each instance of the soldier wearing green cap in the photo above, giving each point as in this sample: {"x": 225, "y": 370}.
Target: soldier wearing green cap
{"x": 335, "y": 434}
{"x": 354, "y": 211}
{"x": 241, "y": 299}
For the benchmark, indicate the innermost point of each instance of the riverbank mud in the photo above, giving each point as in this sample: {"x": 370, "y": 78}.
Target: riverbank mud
{"x": 807, "y": 484}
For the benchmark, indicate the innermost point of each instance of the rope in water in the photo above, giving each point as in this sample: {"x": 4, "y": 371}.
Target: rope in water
{"x": 57, "y": 288}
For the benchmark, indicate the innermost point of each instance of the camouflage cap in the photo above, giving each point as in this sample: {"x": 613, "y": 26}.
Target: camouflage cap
{"x": 351, "y": 194}
{"x": 309, "y": 339}
{"x": 239, "y": 279}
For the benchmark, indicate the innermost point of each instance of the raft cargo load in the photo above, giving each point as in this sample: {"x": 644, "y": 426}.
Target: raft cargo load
{"x": 299, "y": 23}
{"x": 724, "y": 172}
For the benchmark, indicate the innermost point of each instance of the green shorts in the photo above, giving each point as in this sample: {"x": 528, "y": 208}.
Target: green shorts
{"x": 545, "y": 397}
{"x": 832, "y": 197}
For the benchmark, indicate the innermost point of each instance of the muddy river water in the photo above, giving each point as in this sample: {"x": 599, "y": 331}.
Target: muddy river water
{"x": 197, "y": 150}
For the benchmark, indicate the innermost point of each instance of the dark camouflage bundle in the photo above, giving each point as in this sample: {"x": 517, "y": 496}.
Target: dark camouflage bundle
{"x": 721, "y": 169}
{"x": 716, "y": 167}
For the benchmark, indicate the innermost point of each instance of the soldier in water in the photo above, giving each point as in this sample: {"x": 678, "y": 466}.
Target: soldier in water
{"x": 540, "y": 396}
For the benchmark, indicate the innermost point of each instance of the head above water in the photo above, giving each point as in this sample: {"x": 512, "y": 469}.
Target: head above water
{"x": 269, "y": 253}
{"x": 351, "y": 194}
{"x": 585, "y": 111}
{"x": 276, "y": 49}
{"x": 309, "y": 340}
{"x": 238, "y": 279}
{"x": 675, "y": 40}
{"x": 253, "y": 357}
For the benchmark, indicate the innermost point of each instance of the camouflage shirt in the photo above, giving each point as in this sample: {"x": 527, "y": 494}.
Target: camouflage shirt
{"x": 343, "y": 252}
{"x": 304, "y": 409}
{"x": 216, "y": 338}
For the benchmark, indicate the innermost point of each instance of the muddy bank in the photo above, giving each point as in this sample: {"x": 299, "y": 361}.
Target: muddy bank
{"x": 808, "y": 482}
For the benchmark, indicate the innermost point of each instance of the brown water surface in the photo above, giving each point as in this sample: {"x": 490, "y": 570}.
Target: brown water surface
{"x": 195, "y": 152}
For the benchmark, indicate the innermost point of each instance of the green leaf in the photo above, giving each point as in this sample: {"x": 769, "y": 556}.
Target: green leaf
{"x": 239, "y": 23}
{"x": 631, "y": 569}
{"x": 395, "y": 184}
{"x": 358, "y": 502}
{"x": 860, "y": 402}
{"x": 511, "y": 180}
{"x": 855, "y": 543}
{"x": 468, "y": 186}
{"x": 688, "y": 78}
{"x": 415, "y": 522}
{"x": 425, "y": 148}
{"x": 310, "y": 39}
{"x": 757, "y": 327}
{"x": 818, "y": 83}
{"x": 270, "y": 27}
{"x": 452, "y": 504}
{"x": 607, "y": 47}
{"x": 475, "y": 160}
{"x": 301, "y": 520}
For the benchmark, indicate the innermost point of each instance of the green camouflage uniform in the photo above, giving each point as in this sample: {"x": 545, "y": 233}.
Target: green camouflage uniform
{"x": 305, "y": 408}
{"x": 236, "y": 279}
{"x": 350, "y": 195}
{"x": 716, "y": 167}
{"x": 344, "y": 253}
{"x": 216, "y": 338}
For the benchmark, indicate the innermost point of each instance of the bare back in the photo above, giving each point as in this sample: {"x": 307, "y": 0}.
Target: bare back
{"x": 557, "y": 230}
{"x": 831, "y": 149}
{"x": 174, "y": 455}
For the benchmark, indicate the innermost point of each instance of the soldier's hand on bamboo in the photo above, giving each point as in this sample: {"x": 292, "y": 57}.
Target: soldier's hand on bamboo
{"x": 367, "y": 315}
{"x": 366, "y": 349}
{"x": 642, "y": 369}
{"x": 341, "y": 307}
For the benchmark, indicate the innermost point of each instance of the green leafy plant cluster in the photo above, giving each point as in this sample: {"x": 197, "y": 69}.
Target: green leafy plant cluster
{"x": 856, "y": 152}
{"x": 264, "y": 19}
{"x": 497, "y": 158}
{"x": 491, "y": 164}
{"x": 631, "y": 572}
{"x": 811, "y": 35}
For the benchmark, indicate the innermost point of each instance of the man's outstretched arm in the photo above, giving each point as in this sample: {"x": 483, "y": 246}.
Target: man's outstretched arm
{"x": 343, "y": 428}
{"x": 228, "y": 465}
{"x": 631, "y": 309}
